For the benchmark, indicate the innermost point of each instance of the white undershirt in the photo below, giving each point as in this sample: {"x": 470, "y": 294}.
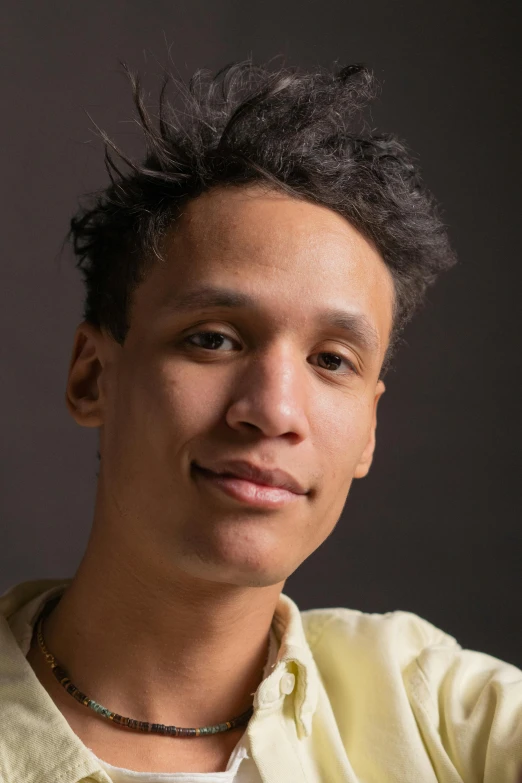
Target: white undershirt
{"x": 241, "y": 767}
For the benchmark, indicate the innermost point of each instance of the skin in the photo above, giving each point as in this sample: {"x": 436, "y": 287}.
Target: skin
{"x": 179, "y": 581}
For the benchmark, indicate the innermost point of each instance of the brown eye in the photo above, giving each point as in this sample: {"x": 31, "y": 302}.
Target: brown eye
{"x": 208, "y": 340}
{"x": 333, "y": 361}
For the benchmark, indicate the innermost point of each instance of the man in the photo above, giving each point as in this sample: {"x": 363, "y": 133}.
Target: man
{"x": 246, "y": 285}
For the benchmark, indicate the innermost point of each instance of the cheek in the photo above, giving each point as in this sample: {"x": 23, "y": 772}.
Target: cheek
{"x": 339, "y": 441}
{"x": 181, "y": 403}
{"x": 341, "y": 430}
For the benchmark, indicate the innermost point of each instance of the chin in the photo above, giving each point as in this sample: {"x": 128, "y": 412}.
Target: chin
{"x": 241, "y": 555}
{"x": 247, "y": 571}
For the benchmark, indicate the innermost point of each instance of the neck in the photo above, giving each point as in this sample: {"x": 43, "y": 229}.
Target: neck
{"x": 131, "y": 637}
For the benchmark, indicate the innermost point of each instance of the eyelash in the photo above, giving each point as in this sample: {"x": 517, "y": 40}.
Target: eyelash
{"x": 350, "y": 364}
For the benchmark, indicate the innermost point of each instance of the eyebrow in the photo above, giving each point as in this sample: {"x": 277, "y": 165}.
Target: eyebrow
{"x": 210, "y": 297}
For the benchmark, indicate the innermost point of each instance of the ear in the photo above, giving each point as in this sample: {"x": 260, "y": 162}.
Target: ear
{"x": 83, "y": 393}
{"x": 367, "y": 456}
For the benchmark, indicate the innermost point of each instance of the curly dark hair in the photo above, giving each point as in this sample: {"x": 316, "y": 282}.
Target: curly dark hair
{"x": 303, "y": 133}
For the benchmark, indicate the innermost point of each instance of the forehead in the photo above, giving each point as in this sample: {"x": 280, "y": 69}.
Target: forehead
{"x": 268, "y": 224}
{"x": 288, "y": 255}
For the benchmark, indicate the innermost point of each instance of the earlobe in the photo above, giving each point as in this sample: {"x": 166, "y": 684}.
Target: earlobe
{"x": 82, "y": 394}
{"x": 367, "y": 456}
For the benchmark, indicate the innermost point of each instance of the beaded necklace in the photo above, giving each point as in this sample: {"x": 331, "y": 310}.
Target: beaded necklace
{"x": 136, "y": 725}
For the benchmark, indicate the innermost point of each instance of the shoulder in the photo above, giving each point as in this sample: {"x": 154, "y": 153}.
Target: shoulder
{"x": 398, "y": 640}
{"x": 400, "y": 635}
{"x": 466, "y": 705}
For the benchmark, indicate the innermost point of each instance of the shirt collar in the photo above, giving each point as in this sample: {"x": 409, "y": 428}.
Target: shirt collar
{"x": 56, "y": 752}
{"x": 37, "y": 744}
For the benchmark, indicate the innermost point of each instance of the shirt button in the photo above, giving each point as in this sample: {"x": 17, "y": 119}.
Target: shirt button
{"x": 287, "y": 683}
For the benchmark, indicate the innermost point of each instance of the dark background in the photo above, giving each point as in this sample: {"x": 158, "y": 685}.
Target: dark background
{"x": 436, "y": 526}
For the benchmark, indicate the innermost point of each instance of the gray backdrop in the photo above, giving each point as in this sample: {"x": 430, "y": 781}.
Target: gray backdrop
{"x": 436, "y": 526}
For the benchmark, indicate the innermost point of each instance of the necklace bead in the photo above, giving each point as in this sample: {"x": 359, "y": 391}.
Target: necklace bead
{"x": 129, "y": 723}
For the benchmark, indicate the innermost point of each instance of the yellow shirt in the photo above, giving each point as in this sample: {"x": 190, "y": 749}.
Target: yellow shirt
{"x": 378, "y": 698}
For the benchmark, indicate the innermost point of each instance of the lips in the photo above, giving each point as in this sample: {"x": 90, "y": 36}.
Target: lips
{"x": 283, "y": 491}
{"x": 242, "y": 469}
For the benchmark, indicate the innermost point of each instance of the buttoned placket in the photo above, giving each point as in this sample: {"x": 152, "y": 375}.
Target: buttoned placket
{"x": 283, "y": 709}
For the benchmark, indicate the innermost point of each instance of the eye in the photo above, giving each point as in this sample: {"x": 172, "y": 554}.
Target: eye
{"x": 210, "y": 341}
{"x": 213, "y": 341}
{"x": 332, "y": 362}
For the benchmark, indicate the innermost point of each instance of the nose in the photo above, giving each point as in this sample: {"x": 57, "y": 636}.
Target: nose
{"x": 270, "y": 395}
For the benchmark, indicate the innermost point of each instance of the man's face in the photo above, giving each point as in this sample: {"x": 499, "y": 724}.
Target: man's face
{"x": 260, "y": 339}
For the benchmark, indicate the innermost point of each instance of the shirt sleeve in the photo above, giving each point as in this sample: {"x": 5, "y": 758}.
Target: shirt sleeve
{"x": 468, "y": 706}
